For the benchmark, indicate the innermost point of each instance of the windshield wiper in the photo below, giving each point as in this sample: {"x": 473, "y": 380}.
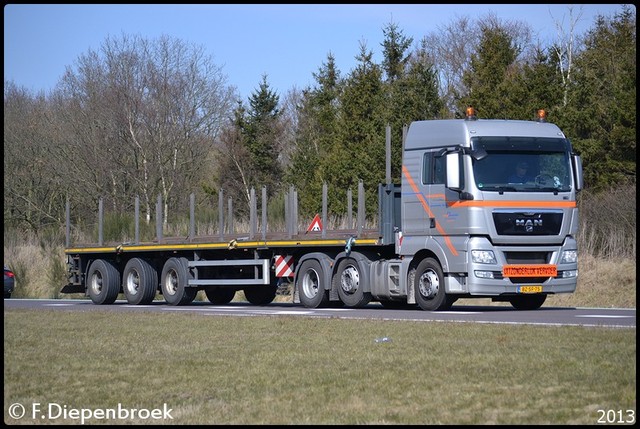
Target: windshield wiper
{"x": 548, "y": 189}
{"x": 502, "y": 189}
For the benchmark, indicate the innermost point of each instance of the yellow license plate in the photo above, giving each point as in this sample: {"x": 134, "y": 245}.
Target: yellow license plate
{"x": 529, "y": 271}
{"x": 530, "y": 289}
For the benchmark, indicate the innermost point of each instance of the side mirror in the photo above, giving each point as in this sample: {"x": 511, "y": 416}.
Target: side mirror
{"x": 577, "y": 172}
{"x": 453, "y": 171}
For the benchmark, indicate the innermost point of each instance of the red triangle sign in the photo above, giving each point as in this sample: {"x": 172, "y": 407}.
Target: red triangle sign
{"x": 316, "y": 224}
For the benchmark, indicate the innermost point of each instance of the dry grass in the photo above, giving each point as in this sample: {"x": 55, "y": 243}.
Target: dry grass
{"x": 603, "y": 283}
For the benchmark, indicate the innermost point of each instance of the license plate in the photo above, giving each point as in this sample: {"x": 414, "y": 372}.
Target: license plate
{"x": 530, "y": 289}
{"x": 529, "y": 271}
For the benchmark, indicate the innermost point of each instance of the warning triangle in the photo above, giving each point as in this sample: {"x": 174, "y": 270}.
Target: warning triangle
{"x": 316, "y": 224}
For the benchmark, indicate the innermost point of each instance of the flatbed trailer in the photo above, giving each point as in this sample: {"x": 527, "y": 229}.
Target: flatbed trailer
{"x": 454, "y": 227}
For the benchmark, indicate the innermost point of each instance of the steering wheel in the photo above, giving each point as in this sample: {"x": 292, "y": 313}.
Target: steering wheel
{"x": 543, "y": 180}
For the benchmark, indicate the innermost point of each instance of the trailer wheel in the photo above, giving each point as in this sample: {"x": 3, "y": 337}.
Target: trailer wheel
{"x": 175, "y": 276}
{"x": 103, "y": 282}
{"x": 349, "y": 281}
{"x": 528, "y": 302}
{"x": 219, "y": 295}
{"x": 260, "y": 295}
{"x": 139, "y": 282}
{"x": 429, "y": 286}
{"x": 309, "y": 283}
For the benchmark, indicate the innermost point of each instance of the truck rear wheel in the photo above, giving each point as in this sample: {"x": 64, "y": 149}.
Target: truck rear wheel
{"x": 219, "y": 295}
{"x": 527, "y": 302}
{"x": 309, "y": 283}
{"x": 350, "y": 284}
{"x": 103, "y": 282}
{"x": 175, "y": 277}
{"x": 139, "y": 282}
{"x": 429, "y": 286}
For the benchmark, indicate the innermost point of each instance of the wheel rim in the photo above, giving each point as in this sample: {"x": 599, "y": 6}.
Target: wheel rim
{"x": 133, "y": 282}
{"x": 171, "y": 282}
{"x": 429, "y": 284}
{"x": 310, "y": 283}
{"x": 96, "y": 283}
{"x": 350, "y": 279}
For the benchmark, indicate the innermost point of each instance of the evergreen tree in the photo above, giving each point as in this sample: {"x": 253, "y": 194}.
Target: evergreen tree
{"x": 316, "y": 134}
{"x": 395, "y": 46}
{"x": 359, "y": 153}
{"x": 261, "y": 130}
{"x": 413, "y": 95}
{"x": 601, "y": 115}
{"x": 490, "y": 66}
{"x": 529, "y": 86}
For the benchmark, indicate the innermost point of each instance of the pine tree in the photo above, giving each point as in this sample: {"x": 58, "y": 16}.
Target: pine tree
{"x": 316, "y": 135}
{"x": 359, "y": 152}
{"x": 601, "y": 115}
{"x": 490, "y": 66}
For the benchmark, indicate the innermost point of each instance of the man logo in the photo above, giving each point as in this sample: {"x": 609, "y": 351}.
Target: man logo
{"x": 529, "y": 224}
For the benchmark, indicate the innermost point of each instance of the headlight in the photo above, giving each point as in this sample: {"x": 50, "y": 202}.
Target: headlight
{"x": 483, "y": 257}
{"x": 569, "y": 257}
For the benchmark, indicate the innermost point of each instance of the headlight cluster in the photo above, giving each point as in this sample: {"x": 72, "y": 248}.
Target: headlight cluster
{"x": 569, "y": 257}
{"x": 483, "y": 257}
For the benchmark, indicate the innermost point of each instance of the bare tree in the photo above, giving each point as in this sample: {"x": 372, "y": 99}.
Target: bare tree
{"x": 452, "y": 46}
{"x": 566, "y": 47}
{"x": 145, "y": 115}
{"x": 32, "y": 191}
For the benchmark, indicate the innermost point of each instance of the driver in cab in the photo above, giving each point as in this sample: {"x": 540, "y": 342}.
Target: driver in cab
{"x": 520, "y": 175}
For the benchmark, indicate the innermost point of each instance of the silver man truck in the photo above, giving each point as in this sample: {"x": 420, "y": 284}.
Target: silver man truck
{"x": 465, "y": 222}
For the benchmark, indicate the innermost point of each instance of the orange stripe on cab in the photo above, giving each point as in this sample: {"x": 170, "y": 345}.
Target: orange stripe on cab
{"x": 427, "y": 209}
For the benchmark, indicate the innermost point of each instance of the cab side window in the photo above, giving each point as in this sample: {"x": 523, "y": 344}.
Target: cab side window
{"x": 438, "y": 169}
{"x": 433, "y": 169}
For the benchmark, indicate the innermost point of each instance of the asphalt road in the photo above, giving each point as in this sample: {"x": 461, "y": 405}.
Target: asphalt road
{"x": 545, "y": 316}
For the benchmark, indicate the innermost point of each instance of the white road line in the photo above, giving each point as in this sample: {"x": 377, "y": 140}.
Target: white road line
{"x": 610, "y": 316}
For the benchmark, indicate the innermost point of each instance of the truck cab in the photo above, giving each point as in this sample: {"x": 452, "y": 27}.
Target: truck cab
{"x": 486, "y": 231}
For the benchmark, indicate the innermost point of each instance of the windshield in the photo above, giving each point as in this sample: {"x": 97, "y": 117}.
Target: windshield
{"x": 522, "y": 164}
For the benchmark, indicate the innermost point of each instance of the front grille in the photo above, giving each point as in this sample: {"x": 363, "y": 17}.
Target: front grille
{"x": 528, "y": 223}
{"x": 519, "y": 258}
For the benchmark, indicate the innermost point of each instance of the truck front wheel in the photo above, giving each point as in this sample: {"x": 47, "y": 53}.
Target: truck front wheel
{"x": 429, "y": 286}
{"x": 103, "y": 282}
{"x": 175, "y": 278}
{"x": 310, "y": 287}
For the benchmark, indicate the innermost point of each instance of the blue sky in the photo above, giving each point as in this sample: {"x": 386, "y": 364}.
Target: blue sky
{"x": 288, "y": 43}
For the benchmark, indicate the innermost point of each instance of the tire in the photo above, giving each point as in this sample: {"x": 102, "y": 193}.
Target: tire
{"x": 7, "y": 295}
{"x": 174, "y": 279}
{"x": 260, "y": 295}
{"x": 528, "y": 302}
{"x": 349, "y": 281}
{"x": 309, "y": 283}
{"x": 103, "y": 282}
{"x": 429, "y": 286}
{"x": 139, "y": 282}
{"x": 219, "y": 295}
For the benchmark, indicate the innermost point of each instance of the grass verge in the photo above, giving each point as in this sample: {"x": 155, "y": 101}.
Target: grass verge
{"x": 288, "y": 370}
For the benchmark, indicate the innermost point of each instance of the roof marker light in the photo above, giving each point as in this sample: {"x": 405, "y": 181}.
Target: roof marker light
{"x": 541, "y": 115}
{"x": 471, "y": 114}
